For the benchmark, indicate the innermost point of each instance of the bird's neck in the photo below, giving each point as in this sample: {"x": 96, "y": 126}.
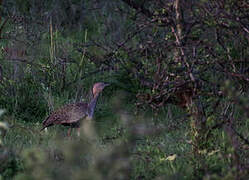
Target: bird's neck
{"x": 92, "y": 105}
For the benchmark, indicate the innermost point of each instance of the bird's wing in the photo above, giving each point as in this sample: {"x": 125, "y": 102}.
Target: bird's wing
{"x": 78, "y": 112}
{"x": 66, "y": 115}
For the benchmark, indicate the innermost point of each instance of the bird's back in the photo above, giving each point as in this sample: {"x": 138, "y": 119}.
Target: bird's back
{"x": 69, "y": 114}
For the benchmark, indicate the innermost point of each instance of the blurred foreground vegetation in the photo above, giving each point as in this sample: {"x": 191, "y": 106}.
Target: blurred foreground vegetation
{"x": 177, "y": 107}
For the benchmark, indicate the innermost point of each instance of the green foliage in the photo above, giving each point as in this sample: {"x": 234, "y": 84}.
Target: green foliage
{"x": 36, "y": 106}
{"x": 11, "y": 166}
{"x": 53, "y": 51}
{"x": 164, "y": 154}
{"x": 28, "y": 104}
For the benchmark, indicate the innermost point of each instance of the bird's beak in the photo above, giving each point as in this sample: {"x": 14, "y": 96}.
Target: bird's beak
{"x": 107, "y": 84}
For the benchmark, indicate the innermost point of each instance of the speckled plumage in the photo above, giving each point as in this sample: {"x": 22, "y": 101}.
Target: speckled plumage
{"x": 69, "y": 115}
{"x": 73, "y": 114}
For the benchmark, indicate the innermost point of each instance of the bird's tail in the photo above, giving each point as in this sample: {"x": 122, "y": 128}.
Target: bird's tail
{"x": 43, "y": 128}
{"x": 44, "y": 124}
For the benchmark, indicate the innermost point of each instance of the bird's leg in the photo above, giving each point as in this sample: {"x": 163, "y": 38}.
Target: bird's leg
{"x": 78, "y": 132}
{"x": 69, "y": 132}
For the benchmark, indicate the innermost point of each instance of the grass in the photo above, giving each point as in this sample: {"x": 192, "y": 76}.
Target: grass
{"x": 130, "y": 143}
{"x": 152, "y": 146}
{"x": 111, "y": 132}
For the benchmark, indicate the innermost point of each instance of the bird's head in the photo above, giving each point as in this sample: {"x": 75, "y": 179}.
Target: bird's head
{"x": 98, "y": 87}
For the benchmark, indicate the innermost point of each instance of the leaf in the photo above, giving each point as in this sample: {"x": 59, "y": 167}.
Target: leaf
{"x": 1, "y": 112}
{"x": 213, "y": 152}
{"x": 4, "y": 125}
{"x": 172, "y": 157}
{"x": 204, "y": 151}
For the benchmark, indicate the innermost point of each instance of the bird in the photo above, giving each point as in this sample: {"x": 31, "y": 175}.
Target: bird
{"x": 72, "y": 114}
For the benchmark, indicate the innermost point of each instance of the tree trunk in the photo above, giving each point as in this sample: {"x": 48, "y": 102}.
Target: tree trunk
{"x": 197, "y": 119}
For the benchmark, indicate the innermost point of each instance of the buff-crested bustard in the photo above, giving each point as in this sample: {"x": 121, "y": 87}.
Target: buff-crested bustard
{"x": 72, "y": 114}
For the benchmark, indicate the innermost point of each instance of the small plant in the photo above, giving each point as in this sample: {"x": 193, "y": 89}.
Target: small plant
{"x": 9, "y": 163}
